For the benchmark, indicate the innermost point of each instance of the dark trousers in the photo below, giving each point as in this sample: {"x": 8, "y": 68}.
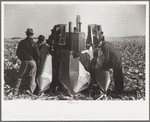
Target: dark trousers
{"x": 27, "y": 71}
{"x": 56, "y": 66}
{"x": 92, "y": 68}
{"x": 118, "y": 79}
{"x": 93, "y": 63}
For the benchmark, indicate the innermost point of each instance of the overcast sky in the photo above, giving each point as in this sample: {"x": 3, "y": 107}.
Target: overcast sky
{"x": 116, "y": 20}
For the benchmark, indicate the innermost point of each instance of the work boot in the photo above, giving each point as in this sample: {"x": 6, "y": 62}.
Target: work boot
{"x": 27, "y": 92}
{"x": 40, "y": 94}
{"x": 15, "y": 92}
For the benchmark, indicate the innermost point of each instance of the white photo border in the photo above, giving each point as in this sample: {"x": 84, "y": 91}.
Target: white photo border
{"x": 84, "y": 110}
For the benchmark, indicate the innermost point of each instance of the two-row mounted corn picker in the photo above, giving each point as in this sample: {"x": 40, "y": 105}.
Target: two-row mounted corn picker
{"x": 72, "y": 54}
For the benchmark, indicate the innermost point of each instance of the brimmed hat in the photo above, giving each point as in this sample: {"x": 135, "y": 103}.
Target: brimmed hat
{"x": 30, "y": 30}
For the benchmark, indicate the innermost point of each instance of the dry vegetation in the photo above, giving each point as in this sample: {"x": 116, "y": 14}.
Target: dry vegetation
{"x": 133, "y": 52}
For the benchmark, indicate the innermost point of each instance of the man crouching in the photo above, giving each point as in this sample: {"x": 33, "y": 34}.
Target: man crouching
{"x": 113, "y": 59}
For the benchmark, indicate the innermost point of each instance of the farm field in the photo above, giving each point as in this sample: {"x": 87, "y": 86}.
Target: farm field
{"x": 133, "y": 56}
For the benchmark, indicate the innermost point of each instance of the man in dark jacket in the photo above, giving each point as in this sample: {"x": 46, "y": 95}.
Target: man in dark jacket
{"x": 40, "y": 40}
{"x": 28, "y": 53}
{"x": 44, "y": 51}
{"x": 54, "y": 39}
{"x": 39, "y": 43}
{"x": 113, "y": 59}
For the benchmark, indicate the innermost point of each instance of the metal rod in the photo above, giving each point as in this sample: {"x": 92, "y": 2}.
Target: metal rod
{"x": 70, "y": 26}
{"x": 77, "y": 21}
{"x": 80, "y": 26}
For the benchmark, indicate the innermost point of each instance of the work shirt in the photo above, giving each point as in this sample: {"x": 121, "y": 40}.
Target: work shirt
{"x": 28, "y": 50}
{"x": 112, "y": 56}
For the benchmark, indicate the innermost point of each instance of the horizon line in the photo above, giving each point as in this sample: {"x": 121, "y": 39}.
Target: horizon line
{"x": 105, "y": 37}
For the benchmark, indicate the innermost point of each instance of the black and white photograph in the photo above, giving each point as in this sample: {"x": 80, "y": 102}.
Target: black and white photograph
{"x": 75, "y": 60}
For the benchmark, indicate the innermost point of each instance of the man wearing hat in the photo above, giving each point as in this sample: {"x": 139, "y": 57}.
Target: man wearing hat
{"x": 28, "y": 53}
{"x": 40, "y": 40}
{"x": 113, "y": 59}
{"x": 39, "y": 44}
